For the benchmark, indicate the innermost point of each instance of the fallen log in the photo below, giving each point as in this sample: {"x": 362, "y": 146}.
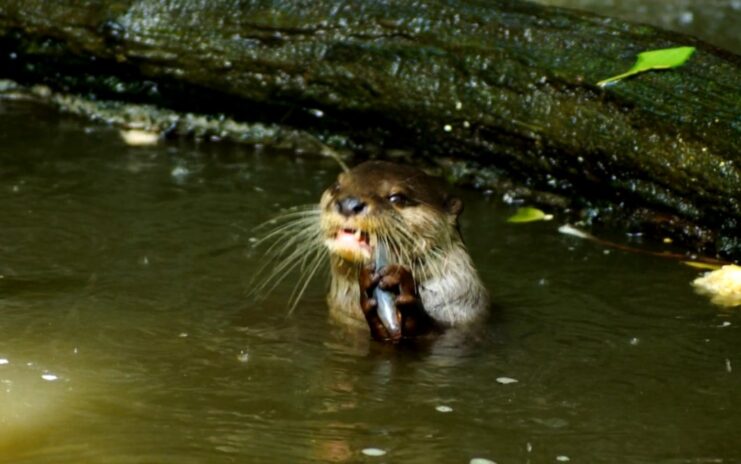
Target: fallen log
{"x": 501, "y": 93}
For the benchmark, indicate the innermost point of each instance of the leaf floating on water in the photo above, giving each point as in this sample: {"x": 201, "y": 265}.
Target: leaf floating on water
{"x": 723, "y": 285}
{"x": 139, "y": 138}
{"x": 374, "y": 452}
{"x": 571, "y": 230}
{"x": 699, "y": 265}
{"x": 665, "y": 58}
{"x": 506, "y": 380}
{"x": 529, "y": 214}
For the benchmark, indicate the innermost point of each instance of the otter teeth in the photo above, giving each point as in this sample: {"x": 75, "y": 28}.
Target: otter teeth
{"x": 351, "y": 243}
{"x": 357, "y": 234}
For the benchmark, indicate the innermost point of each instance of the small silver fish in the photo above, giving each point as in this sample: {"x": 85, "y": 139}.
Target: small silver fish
{"x": 385, "y": 300}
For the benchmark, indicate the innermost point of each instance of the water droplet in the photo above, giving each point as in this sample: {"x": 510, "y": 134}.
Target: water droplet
{"x": 443, "y": 408}
{"x": 4, "y": 361}
{"x": 49, "y": 377}
{"x": 686, "y": 17}
{"x": 179, "y": 172}
{"x": 563, "y": 459}
{"x": 481, "y": 461}
{"x": 243, "y": 357}
{"x": 447, "y": 128}
{"x": 374, "y": 452}
{"x": 506, "y": 380}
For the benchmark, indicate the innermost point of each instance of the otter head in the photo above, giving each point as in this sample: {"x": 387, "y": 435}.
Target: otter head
{"x": 381, "y": 201}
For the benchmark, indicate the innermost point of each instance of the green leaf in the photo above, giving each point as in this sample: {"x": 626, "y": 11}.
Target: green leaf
{"x": 654, "y": 59}
{"x": 528, "y": 214}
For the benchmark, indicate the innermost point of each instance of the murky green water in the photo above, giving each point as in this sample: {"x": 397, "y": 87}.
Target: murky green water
{"x": 126, "y": 335}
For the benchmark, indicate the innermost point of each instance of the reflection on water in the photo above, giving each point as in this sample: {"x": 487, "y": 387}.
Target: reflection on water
{"x": 127, "y": 337}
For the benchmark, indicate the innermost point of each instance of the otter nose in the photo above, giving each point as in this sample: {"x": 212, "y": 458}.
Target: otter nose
{"x": 350, "y": 206}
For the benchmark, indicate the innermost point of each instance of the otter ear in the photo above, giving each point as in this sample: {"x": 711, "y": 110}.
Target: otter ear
{"x": 454, "y": 205}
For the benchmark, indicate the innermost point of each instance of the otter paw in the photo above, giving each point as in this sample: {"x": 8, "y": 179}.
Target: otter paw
{"x": 398, "y": 280}
{"x": 369, "y": 306}
{"x": 367, "y": 280}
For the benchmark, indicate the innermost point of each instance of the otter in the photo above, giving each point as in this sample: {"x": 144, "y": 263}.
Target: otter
{"x": 429, "y": 274}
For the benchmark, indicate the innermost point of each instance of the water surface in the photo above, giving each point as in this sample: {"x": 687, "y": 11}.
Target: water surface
{"x": 127, "y": 336}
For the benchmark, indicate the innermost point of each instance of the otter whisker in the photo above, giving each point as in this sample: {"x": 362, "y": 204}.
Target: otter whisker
{"x": 305, "y": 279}
{"x": 283, "y": 269}
{"x": 293, "y": 238}
{"x": 292, "y": 231}
{"x": 279, "y": 247}
{"x": 293, "y": 224}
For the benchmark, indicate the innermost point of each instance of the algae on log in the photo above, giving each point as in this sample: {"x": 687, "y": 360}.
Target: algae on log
{"x": 506, "y": 86}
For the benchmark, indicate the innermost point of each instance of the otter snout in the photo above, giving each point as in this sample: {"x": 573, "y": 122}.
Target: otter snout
{"x": 350, "y": 206}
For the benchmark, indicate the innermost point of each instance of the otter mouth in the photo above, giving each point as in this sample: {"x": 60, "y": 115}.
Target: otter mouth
{"x": 351, "y": 244}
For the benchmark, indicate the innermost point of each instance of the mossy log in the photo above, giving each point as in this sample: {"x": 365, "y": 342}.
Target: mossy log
{"x": 508, "y": 87}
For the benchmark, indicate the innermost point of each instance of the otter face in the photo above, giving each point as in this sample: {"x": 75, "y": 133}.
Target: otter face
{"x": 400, "y": 205}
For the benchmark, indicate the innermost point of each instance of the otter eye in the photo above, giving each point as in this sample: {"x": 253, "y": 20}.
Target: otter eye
{"x": 398, "y": 199}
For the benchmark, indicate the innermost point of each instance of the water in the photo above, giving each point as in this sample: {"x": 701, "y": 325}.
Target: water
{"x": 124, "y": 280}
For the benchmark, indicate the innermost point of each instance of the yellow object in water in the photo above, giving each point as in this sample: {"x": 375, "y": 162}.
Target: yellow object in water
{"x": 723, "y": 286}
{"x": 139, "y": 138}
